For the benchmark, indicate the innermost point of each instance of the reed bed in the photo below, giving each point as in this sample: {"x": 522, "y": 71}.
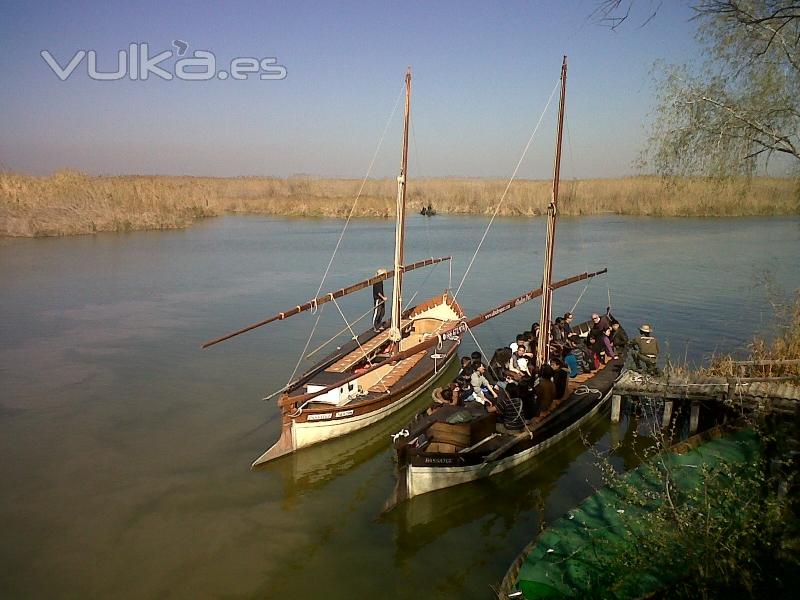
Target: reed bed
{"x": 70, "y": 202}
{"x": 785, "y": 346}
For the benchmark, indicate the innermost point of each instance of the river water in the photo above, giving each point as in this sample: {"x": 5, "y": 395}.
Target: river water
{"x": 126, "y": 449}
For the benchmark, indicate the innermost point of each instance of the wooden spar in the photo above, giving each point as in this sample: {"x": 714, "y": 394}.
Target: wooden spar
{"x": 454, "y": 332}
{"x": 327, "y": 298}
{"x": 543, "y": 345}
{"x": 397, "y": 289}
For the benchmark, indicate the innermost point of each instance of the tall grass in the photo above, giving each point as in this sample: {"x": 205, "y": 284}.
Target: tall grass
{"x": 69, "y": 202}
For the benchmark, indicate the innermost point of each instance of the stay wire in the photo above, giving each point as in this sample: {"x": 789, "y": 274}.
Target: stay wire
{"x": 505, "y": 192}
{"x": 347, "y": 222}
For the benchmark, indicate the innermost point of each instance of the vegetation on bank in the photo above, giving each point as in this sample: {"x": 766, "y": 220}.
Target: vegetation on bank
{"x": 69, "y": 202}
{"x": 738, "y": 533}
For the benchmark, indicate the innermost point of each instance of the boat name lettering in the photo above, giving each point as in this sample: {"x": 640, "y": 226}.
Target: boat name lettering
{"x": 438, "y": 461}
{"x": 497, "y": 311}
{"x": 522, "y": 299}
{"x": 324, "y": 417}
{"x": 456, "y": 332}
{"x": 344, "y": 413}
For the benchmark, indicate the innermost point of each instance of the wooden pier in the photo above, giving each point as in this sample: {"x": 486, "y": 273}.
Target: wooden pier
{"x": 761, "y": 394}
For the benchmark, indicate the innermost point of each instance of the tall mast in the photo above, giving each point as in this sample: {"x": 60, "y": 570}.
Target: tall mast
{"x": 543, "y": 346}
{"x": 397, "y": 295}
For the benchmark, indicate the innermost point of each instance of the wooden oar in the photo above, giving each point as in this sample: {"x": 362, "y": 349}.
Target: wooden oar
{"x": 451, "y": 334}
{"x": 326, "y": 298}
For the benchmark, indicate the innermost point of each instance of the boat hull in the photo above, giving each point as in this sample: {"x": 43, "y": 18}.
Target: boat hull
{"x": 420, "y": 472}
{"x": 422, "y": 480}
{"x": 304, "y": 425}
{"x": 300, "y": 435}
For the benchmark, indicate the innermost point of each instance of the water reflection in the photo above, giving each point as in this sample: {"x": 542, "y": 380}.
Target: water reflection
{"x": 312, "y": 468}
{"x": 502, "y": 498}
{"x": 127, "y": 450}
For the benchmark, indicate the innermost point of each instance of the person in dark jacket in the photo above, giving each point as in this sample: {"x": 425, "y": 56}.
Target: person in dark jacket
{"x": 619, "y": 338}
{"x": 560, "y": 377}
{"x": 509, "y": 410}
{"x": 545, "y": 389}
{"x": 378, "y": 302}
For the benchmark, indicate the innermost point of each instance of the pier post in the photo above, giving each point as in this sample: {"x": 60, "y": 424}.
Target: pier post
{"x": 694, "y": 418}
{"x": 616, "y": 407}
{"x": 667, "y": 414}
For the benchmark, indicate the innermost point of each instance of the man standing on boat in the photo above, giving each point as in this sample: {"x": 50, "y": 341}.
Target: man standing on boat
{"x": 378, "y": 302}
{"x": 644, "y": 350}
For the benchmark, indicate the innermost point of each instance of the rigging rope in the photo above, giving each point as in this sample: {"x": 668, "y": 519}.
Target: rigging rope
{"x": 586, "y": 287}
{"x": 505, "y": 192}
{"x": 347, "y": 222}
{"x": 353, "y": 333}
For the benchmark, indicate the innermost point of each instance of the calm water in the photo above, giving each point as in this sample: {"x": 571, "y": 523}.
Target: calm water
{"x": 126, "y": 449}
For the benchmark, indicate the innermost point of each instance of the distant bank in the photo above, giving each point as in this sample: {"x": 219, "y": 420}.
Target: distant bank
{"x": 70, "y": 203}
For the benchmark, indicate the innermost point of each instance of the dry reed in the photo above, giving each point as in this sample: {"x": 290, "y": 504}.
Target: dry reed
{"x": 69, "y": 202}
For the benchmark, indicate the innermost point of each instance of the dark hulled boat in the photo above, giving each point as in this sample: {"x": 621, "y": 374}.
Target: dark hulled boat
{"x": 454, "y": 445}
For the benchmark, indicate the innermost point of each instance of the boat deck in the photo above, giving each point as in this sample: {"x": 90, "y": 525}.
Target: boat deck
{"x": 348, "y": 361}
{"x": 396, "y": 373}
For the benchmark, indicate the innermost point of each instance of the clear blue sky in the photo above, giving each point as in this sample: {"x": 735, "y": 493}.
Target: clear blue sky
{"x": 482, "y": 75}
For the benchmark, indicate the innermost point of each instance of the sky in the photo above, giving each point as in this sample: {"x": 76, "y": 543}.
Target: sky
{"x": 482, "y": 76}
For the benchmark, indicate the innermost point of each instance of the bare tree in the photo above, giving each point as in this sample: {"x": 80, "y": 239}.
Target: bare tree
{"x": 737, "y": 108}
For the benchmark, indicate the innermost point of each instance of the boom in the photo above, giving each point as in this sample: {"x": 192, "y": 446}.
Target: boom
{"x": 452, "y": 333}
{"x": 326, "y": 298}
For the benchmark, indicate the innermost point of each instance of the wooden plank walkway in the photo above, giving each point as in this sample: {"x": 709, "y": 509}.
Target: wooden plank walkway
{"x": 776, "y": 394}
{"x": 349, "y": 361}
{"x": 393, "y": 376}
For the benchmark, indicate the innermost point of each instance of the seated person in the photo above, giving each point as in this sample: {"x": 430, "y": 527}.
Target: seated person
{"x": 558, "y": 330}
{"x": 595, "y": 349}
{"x": 481, "y": 386}
{"x": 560, "y": 377}
{"x": 566, "y": 325}
{"x": 618, "y": 337}
{"x": 608, "y": 347}
{"x": 599, "y": 324}
{"x": 571, "y": 362}
{"x": 477, "y": 359}
{"x": 498, "y": 366}
{"x": 466, "y": 362}
{"x": 509, "y": 411}
{"x": 518, "y": 365}
{"x": 525, "y": 390}
{"x": 516, "y": 343}
{"x": 545, "y": 389}
{"x": 465, "y": 384}
{"x": 449, "y": 396}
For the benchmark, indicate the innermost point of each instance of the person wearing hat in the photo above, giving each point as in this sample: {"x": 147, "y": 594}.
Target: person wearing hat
{"x": 644, "y": 350}
{"x": 378, "y": 302}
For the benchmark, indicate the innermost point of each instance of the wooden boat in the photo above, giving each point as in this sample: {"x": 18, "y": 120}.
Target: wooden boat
{"x": 375, "y": 374}
{"x": 455, "y": 445}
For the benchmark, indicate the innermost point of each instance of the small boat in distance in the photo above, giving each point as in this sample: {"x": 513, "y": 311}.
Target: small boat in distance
{"x": 377, "y": 372}
{"x": 450, "y": 445}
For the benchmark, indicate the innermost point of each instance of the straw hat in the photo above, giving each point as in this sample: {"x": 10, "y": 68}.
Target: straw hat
{"x": 646, "y": 329}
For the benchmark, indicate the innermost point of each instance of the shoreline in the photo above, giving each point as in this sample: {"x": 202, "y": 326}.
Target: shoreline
{"x": 72, "y": 203}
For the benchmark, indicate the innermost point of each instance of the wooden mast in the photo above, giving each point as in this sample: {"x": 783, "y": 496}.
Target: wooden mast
{"x": 397, "y": 295}
{"x": 543, "y": 346}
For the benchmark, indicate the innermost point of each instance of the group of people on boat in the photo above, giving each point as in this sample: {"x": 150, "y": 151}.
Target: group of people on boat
{"x": 520, "y": 391}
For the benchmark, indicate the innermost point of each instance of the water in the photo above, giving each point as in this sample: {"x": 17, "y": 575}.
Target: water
{"x": 126, "y": 449}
